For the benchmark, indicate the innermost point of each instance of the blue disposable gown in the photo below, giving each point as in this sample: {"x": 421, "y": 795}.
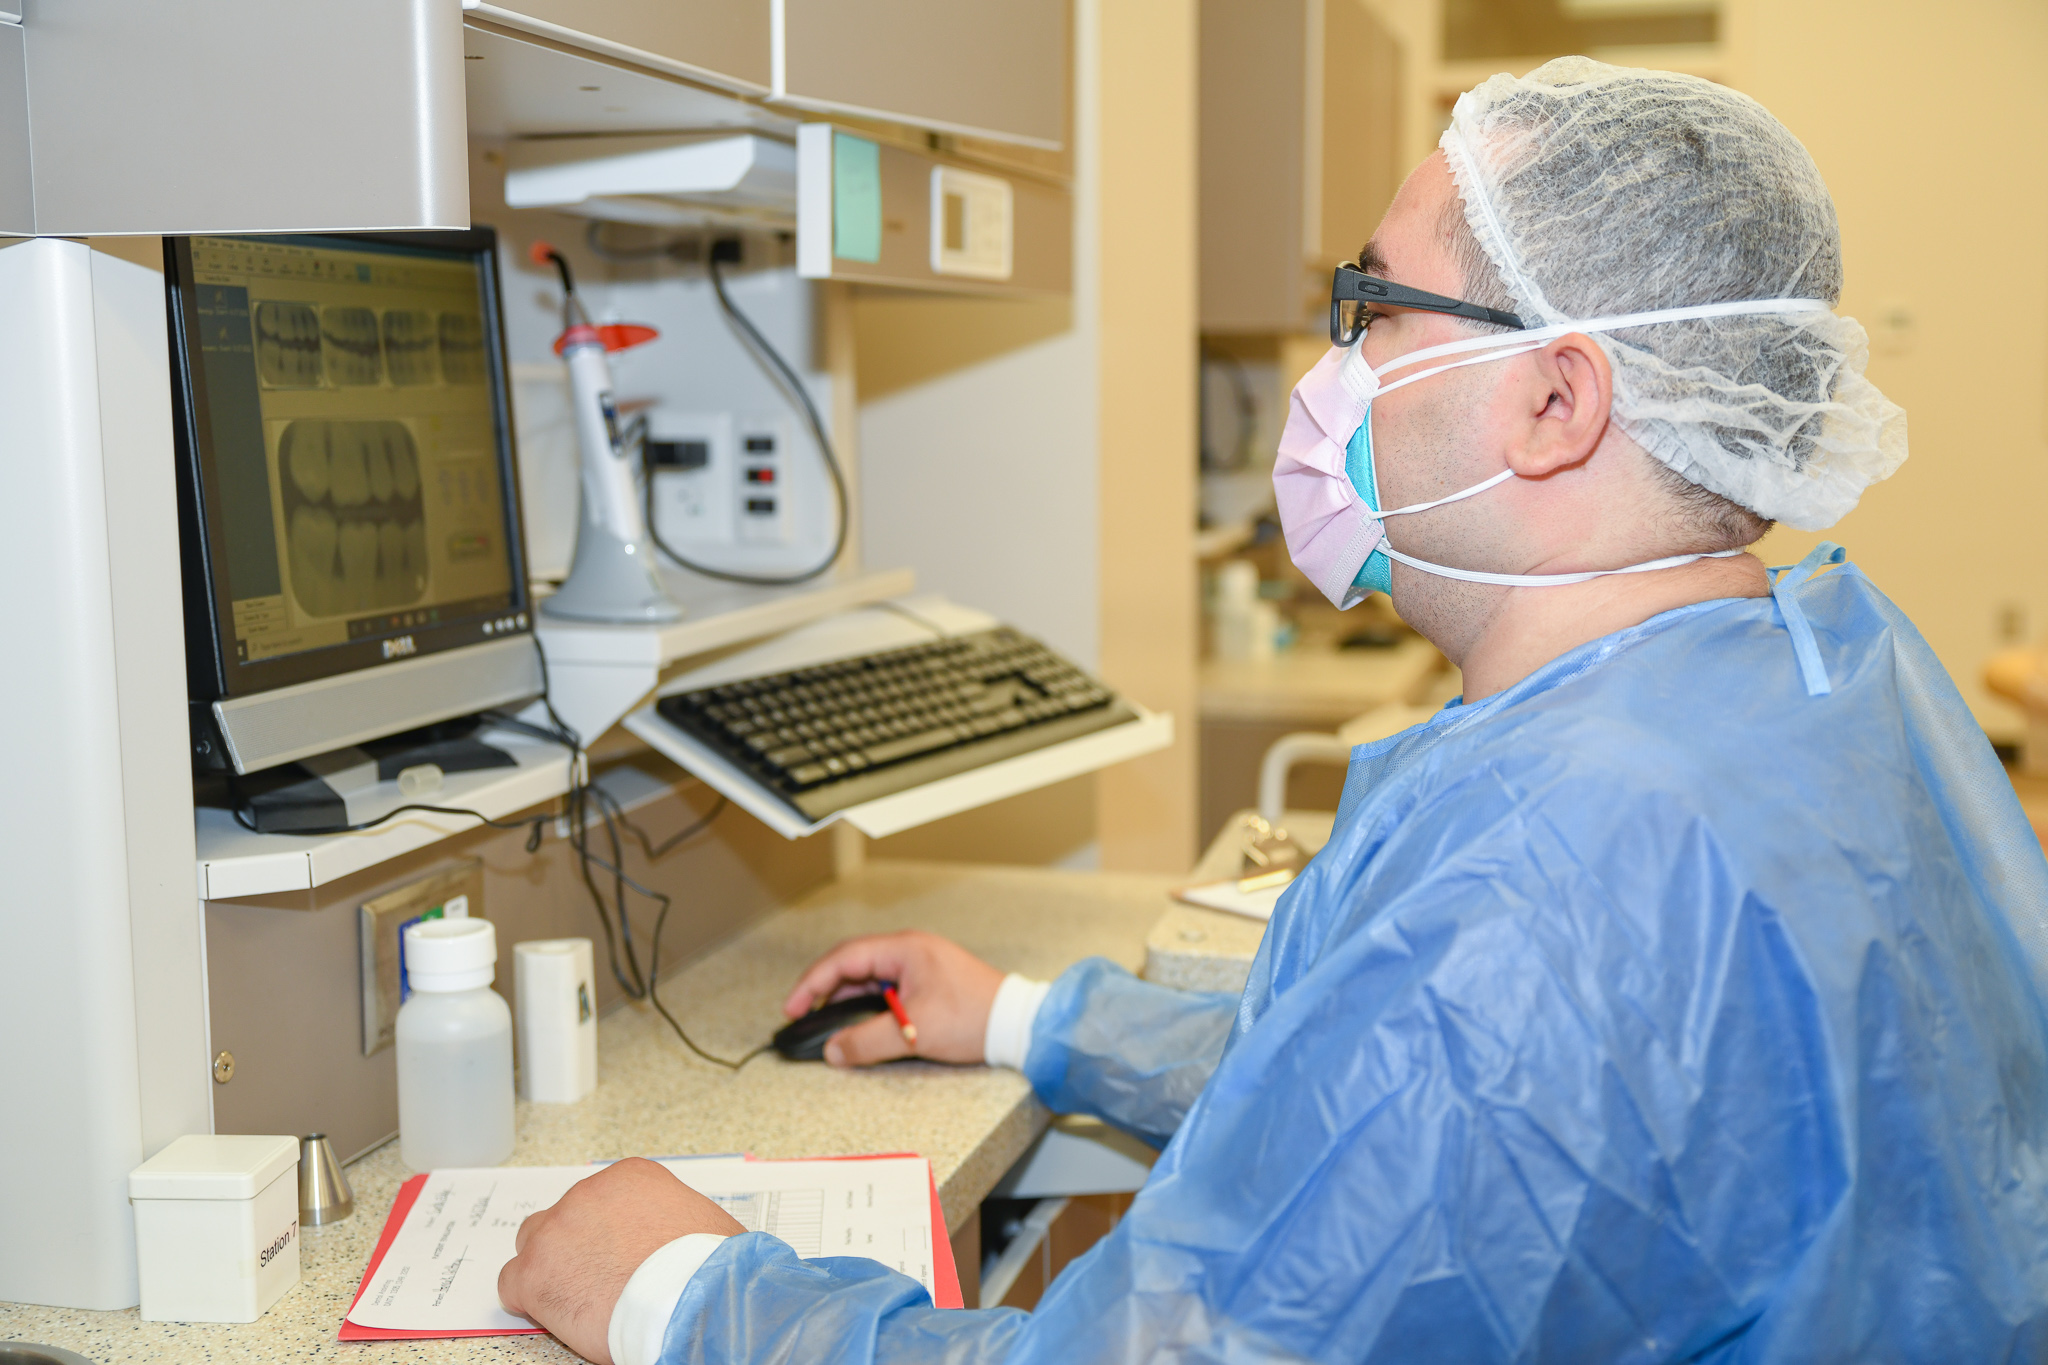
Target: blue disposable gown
{"x": 1653, "y": 1009}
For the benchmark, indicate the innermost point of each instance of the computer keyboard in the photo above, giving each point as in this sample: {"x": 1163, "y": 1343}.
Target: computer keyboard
{"x": 849, "y": 731}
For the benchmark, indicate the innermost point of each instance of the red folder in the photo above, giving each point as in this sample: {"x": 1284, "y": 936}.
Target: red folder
{"x": 945, "y": 1273}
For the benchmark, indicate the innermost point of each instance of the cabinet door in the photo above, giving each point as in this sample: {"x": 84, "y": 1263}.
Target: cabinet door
{"x": 993, "y": 68}
{"x": 1357, "y": 140}
{"x": 243, "y": 116}
{"x": 1252, "y": 194}
{"x": 1299, "y": 106}
{"x": 726, "y": 41}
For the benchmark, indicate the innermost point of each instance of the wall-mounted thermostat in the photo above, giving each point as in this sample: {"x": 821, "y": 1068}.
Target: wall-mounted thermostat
{"x": 971, "y": 224}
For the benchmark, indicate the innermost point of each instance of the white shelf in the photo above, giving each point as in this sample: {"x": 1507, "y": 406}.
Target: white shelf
{"x": 807, "y": 628}
{"x": 234, "y": 861}
{"x": 715, "y": 615}
{"x": 596, "y": 674}
{"x": 866, "y": 632}
{"x": 917, "y": 805}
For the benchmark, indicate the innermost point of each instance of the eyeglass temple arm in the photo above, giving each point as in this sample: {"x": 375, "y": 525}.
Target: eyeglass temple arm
{"x": 1364, "y": 286}
{"x": 1481, "y": 313}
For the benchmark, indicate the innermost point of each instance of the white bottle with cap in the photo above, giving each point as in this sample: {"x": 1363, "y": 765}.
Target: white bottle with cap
{"x": 454, "y": 1049}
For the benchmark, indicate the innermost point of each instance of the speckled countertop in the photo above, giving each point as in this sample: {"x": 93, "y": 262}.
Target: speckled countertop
{"x": 1195, "y": 949}
{"x": 655, "y": 1099}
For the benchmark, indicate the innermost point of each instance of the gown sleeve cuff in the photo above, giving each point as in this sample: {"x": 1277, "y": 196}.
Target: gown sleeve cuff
{"x": 640, "y": 1320}
{"x": 1008, "y": 1041}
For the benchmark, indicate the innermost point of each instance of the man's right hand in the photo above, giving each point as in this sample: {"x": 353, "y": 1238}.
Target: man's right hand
{"x": 946, "y": 990}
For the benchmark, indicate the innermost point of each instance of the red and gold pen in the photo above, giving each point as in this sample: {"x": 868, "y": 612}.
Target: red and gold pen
{"x": 902, "y": 1020}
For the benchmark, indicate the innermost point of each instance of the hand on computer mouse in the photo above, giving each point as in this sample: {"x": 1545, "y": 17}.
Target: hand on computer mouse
{"x": 946, "y": 990}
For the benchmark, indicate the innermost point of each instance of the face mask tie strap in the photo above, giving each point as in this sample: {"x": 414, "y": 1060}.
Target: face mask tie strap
{"x": 1785, "y": 585}
{"x": 1547, "y": 580}
{"x": 1473, "y": 491}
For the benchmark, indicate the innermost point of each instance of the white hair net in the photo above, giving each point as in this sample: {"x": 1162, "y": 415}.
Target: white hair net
{"x": 1599, "y": 190}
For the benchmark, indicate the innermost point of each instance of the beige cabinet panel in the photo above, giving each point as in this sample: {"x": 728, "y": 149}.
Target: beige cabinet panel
{"x": 896, "y": 202}
{"x": 243, "y": 116}
{"x": 1299, "y": 126}
{"x": 996, "y": 68}
{"x": 726, "y": 41}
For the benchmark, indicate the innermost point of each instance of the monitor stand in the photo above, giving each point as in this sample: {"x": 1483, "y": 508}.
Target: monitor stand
{"x": 335, "y": 790}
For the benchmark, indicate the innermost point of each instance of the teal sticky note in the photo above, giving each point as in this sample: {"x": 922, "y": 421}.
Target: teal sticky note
{"x": 856, "y": 199}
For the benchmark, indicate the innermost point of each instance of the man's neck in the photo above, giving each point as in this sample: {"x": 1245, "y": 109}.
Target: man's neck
{"x": 1529, "y": 627}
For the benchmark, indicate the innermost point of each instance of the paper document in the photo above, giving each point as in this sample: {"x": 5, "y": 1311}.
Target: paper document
{"x": 1254, "y": 897}
{"x": 440, "y": 1273}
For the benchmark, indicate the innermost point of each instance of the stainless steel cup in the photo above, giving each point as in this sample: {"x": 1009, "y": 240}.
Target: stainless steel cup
{"x": 324, "y": 1195}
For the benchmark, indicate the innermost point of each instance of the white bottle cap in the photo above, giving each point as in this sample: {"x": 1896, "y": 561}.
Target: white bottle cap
{"x": 450, "y": 954}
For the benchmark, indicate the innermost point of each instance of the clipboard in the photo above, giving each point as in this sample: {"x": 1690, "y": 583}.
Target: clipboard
{"x": 945, "y": 1272}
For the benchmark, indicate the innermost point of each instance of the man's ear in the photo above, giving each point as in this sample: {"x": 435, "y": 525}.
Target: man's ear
{"x": 1565, "y": 407}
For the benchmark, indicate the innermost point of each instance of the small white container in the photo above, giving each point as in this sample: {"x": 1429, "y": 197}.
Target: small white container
{"x": 454, "y": 1036}
{"x": 1245, "y": 625}
{"x": 216, "y": 1227}
{"x": 557, "y": 992}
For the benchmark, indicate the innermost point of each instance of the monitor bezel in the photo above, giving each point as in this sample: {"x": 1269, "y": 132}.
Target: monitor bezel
{"x": 213, "y": 672}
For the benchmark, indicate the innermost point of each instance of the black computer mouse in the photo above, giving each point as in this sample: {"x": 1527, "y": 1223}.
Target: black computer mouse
{"x": 803, "y": 1040}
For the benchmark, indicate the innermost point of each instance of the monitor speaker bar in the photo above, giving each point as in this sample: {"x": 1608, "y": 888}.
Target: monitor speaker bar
{"x": 290, "y": 723}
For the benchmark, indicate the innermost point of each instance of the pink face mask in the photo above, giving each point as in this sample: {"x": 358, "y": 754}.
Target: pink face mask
{"x": 1332, "y": 528}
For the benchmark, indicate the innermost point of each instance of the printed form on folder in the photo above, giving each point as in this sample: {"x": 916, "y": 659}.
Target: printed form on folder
{"x": 440, "y": 1272}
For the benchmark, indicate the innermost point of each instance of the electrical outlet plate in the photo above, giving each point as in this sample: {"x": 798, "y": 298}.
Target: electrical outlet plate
{"x": 451, "y": 893}
{"x": 693, "y": 476}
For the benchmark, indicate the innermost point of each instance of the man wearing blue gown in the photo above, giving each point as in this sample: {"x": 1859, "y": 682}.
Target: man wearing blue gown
{"x": 1674, "y": 995}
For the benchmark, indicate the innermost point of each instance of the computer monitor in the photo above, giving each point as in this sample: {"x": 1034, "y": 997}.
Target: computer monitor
{"x": 348, "y": 493}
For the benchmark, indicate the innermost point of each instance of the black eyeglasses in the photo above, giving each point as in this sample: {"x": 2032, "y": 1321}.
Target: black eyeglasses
{"x": 1352, "y": 290}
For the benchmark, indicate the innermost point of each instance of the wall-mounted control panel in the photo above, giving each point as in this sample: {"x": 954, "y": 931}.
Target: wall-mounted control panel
{"x": 971, "y": 224}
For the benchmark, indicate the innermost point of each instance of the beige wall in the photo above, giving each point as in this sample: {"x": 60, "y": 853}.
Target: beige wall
{"x": 1147, "y": 808}
{"x": 1931, "y": 127}
{"x": 1037, "y": 459}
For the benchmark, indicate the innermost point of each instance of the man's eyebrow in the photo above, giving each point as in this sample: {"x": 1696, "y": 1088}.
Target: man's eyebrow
{"x": 1371, "y": 261}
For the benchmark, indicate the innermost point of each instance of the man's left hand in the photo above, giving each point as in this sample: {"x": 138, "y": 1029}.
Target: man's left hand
{"x": 574, "y": 1259}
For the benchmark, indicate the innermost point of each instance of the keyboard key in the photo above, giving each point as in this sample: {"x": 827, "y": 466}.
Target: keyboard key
{"x": 894, "y": 750}
{"x": 903, "y": 716}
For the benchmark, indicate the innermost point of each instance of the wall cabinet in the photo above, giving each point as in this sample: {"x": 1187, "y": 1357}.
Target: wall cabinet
{"x": 728, "y": 43}
{"x": 1300, "y": 104}
{"x": 181, "y": 116}
{"x": 986, "y": 68}
{"x": 177, "y": 116}
{"x": 990, "y": 68}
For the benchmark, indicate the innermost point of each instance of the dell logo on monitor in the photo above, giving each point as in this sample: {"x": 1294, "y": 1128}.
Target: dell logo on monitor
{"x": 398, "y": 646}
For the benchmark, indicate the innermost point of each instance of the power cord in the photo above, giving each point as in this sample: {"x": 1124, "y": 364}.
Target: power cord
{"x": 654, "y": 850}
{"x": 794, "y": 387}
{"x": 725, "y": 251}
{"x": 614, "y": 815}
{"x": 581, "y": 797}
